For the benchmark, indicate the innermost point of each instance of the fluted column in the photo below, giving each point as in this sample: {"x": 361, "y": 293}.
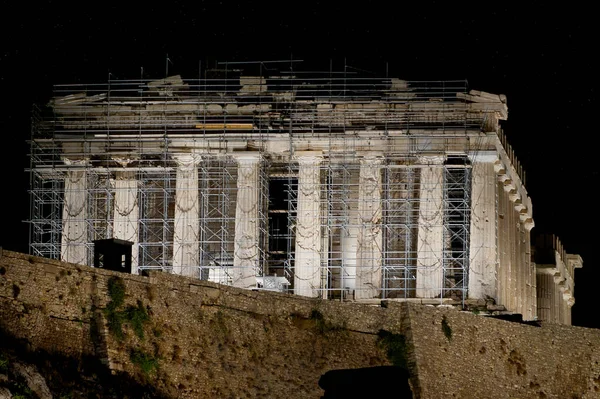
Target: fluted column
{"x": 555, "y": 285}
{"x": 512, "y": 264}
{"x": 307, "y": 275}
{"x": 246, "y": 245}
{"x": 369, "y": 243}
{"x": 532, "y": 283}
{"x": 516, "y": 280}
{"x": 186, "y": 249}
{"x": 126, "y": 212}
{"x": 529, "y": 278}
{"x": 557, "y": 310}
{"x": 483, "y": 255}
{"x": 349, "y": 249}
{"x": 430, "y": 273}
{"x": 545, "y": 293}
{"x": 568, "y": 301}
{"x": 554, "y": 294}
{"x": 74, "y": 236}
{"x": 565, "y": 308}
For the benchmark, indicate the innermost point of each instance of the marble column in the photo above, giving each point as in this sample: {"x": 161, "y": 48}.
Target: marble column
{"x": 554, "y": 293}
{"x": 568, "y": 301}
{"x": 369, "y": 243}
{"x": 348, "y": 247}
{"x": 529, "y": 283}
{"x": 348, "y": 233}
{"x": 545, "y": 293}
{"x": 511, "y": 265}
{"x": 186, "y": 248}
{"x": 532, "y": 284}
{"x": 74, "y": 238}
{"x": 504, "y": 258}
{"x": 126, "y": 212}
{"x": 557, "y": 310}
{"x": 246, "y": 245}
{"x": 430, "y": 240}
{"x": 483, "y": 256}
{"x": 307, "y": 271}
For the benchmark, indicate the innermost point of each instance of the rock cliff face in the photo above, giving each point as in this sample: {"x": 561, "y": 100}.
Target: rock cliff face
{"x": 27, "y": 373}
{"x": 171, "y": 336}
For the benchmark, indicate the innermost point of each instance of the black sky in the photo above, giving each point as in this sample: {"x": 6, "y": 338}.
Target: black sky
{"x": 542, "y": 57}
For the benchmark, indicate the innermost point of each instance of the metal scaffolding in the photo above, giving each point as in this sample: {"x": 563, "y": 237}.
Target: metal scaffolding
{"x": 367, "y": 132}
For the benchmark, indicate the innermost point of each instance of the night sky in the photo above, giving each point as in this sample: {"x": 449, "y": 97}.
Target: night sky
{"x": 542, "y": 58}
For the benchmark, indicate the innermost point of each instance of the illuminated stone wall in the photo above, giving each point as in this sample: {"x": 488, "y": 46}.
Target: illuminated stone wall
{"x": 211, "y": 340}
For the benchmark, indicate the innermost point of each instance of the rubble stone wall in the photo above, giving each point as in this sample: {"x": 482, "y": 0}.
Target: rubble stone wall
{"x": 471, "y": 356}
{"x": 202, "y": 339}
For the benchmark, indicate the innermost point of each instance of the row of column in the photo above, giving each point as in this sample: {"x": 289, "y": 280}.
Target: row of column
{"x": 186, "y": 255}
{"x": 74, "y": 238}
{"x": 555, "y": 288}
{"x": 365, "y": 275}
{"x": 516, "y": 287}
{"x": 186, "y": 251}
{"x": 553, "y": 299}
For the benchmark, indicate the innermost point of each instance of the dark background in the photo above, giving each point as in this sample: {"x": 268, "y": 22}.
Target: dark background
{"x": 542, "y": 57}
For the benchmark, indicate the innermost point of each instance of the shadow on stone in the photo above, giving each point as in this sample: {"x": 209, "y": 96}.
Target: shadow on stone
{"x": 370, "y": 382}
{"x": 69, "y": 377}
{"x": 516, "y": 318}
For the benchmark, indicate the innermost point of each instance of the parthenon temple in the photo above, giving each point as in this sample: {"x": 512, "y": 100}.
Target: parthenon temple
{"x": 316, "y": 184}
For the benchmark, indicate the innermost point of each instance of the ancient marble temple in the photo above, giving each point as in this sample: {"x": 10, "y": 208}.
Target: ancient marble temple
{"x": 330, "y": 186}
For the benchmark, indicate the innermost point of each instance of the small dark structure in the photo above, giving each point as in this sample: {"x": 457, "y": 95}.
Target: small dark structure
{"x": 113, "y": 254}
{"x": 367, "y": 382}
{"x": 516, "y": 318}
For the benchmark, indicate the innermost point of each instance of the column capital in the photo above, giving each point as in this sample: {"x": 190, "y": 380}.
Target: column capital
{"x": 308, "y": 157}
{"x": 515, "y": 198}
{"x": 371, "y": 157}
{"x": 72, "y": 161}
{"x": 186, "y": 160}
{"x": 567, "y": 294}
{"x": 499, "y": 167}
{"x": 528, "y": 223}
{"x": 483, "y": 156}
{"x": 125, "y": 161}
{"x": 246, "y": 156}
{"x": 431, "y": 159}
